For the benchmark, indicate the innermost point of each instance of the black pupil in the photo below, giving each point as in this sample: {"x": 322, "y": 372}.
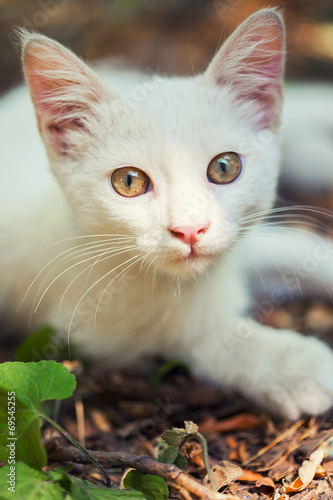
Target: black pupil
{"x": 129, "y": 180}
{"x": 223, "y": 165}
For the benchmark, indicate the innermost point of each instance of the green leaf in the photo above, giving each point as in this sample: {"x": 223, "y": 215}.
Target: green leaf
{"x": 174, "y": 436}
{"x": 167, "y": 454}
{"x": 35, "y": 347}
{"x": 153, "y": 487}
{"x": 29, "y": 485}
{"x": 59, "y": 475}
{"x": 96, "y": 493}
{"x": 32, "y": 383}
{"x": 103, "y": 494}
{"x": 181, "y": 461}
{"x": 37, "y": 382}
{"x": 80, "y": 489}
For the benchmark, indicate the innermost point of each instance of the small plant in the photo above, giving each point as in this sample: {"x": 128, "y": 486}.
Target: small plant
{"x": 23, "y": 389}
{"x": 29, "y": 384}
{"x": 34, "y": 484}
{"x": 175, "y": 439}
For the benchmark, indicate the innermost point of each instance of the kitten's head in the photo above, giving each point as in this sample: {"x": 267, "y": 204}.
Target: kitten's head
{"x": 179, "y": 162}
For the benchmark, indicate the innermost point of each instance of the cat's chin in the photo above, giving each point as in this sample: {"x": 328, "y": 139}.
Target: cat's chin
{"x": 188, "y": 266}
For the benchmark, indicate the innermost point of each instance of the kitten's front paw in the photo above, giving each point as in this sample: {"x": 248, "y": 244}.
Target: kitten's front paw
{"x": 303, "y": 381}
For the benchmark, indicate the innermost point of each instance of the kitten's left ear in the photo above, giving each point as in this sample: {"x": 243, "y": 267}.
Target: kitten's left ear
{"x": 251, "y": 64}
{"x": 66, "y": 92}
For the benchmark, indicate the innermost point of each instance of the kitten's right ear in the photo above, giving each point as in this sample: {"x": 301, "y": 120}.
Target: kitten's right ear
{"x": 66, "y": 93}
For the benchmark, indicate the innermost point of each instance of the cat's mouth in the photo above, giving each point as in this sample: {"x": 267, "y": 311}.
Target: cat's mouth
{"x": 193, "y": 263}
{"x": 188, "y": 260}
{"x": 193, "y": 255}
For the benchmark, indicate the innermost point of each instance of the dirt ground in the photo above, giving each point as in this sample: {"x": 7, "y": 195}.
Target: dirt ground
{"x": 127, "y": 411}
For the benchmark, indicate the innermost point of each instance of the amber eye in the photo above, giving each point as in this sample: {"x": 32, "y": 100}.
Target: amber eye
{"x": 130, "y": 181}
{"x": 224, "y": 168}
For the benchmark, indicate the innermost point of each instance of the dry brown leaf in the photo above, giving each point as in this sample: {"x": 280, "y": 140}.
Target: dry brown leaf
{"x": 198, "y": 460}
{"x": 121, "y": 485}
{"x": 95, "y": 475}
{"x": 224, "y": 473}
{"x": 320, "y": 471}
{"x": 191, "y": 427}
{"x": 242, "y": 452}
{"x": 250, "y": 476}
{"x": 281, "y": 471}
{"x": 231, "y": 441}
{"x": 193, "y": 452}
{"x": 233, "y": 455}
{"x": 306, "y": 472}
{"x": 266, "y": 481}
{"x": 243, "y": 421}
{"x": 100, "y": 420}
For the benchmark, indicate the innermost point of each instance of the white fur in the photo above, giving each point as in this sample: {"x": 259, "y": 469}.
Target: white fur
{"x": 149, "y": 297}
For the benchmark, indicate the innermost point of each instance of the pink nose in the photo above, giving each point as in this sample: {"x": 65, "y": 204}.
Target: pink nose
{"x": 189, "y": 235}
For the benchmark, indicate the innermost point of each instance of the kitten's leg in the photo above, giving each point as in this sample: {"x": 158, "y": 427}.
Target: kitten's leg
{"x": 280, "y": 370}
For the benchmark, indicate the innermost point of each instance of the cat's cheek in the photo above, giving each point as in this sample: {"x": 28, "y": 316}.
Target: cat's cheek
{"x": 227, "y": 207}
{"x": 151, "y": 239}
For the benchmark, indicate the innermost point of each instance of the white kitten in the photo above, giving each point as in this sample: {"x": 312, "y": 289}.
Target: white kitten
{"x": 163, "y": 185}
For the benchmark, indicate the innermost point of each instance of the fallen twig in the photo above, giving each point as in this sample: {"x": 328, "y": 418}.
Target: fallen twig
{"x": 289, "y": 432}
{"x": 144, "y": 464}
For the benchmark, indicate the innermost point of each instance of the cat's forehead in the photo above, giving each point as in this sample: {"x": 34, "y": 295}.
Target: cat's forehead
{"x": 172, "y": 102}
{"x": 180, "y": 113}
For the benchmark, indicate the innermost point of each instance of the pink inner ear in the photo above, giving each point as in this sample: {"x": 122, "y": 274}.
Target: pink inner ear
{"x": 268, "y": 58}
{"x": 62, "y": 87}
{"x": 251, "y": 63}
{"x": 40, "y": 69}
{"x": 66, "y": 95}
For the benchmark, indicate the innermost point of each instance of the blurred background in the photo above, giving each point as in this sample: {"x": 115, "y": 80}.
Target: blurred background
{"x": 173, "y": 36}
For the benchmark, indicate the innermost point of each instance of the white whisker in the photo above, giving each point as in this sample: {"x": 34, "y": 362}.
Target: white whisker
{"x": 150, "y": 263}
{"x": 109, "y": 284}
{"x": 83, "y": 252}
{"x": 304, "y": 208}
{"x": 55, "y": 259}
{"x": 98, "y": 259}
{"x": 280, "y": 212}
{"x": 91, "y": 287}
{"x": 107, "y": 237}
{"x": 68, "y": 269}
{"x": 109, "y": 255}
